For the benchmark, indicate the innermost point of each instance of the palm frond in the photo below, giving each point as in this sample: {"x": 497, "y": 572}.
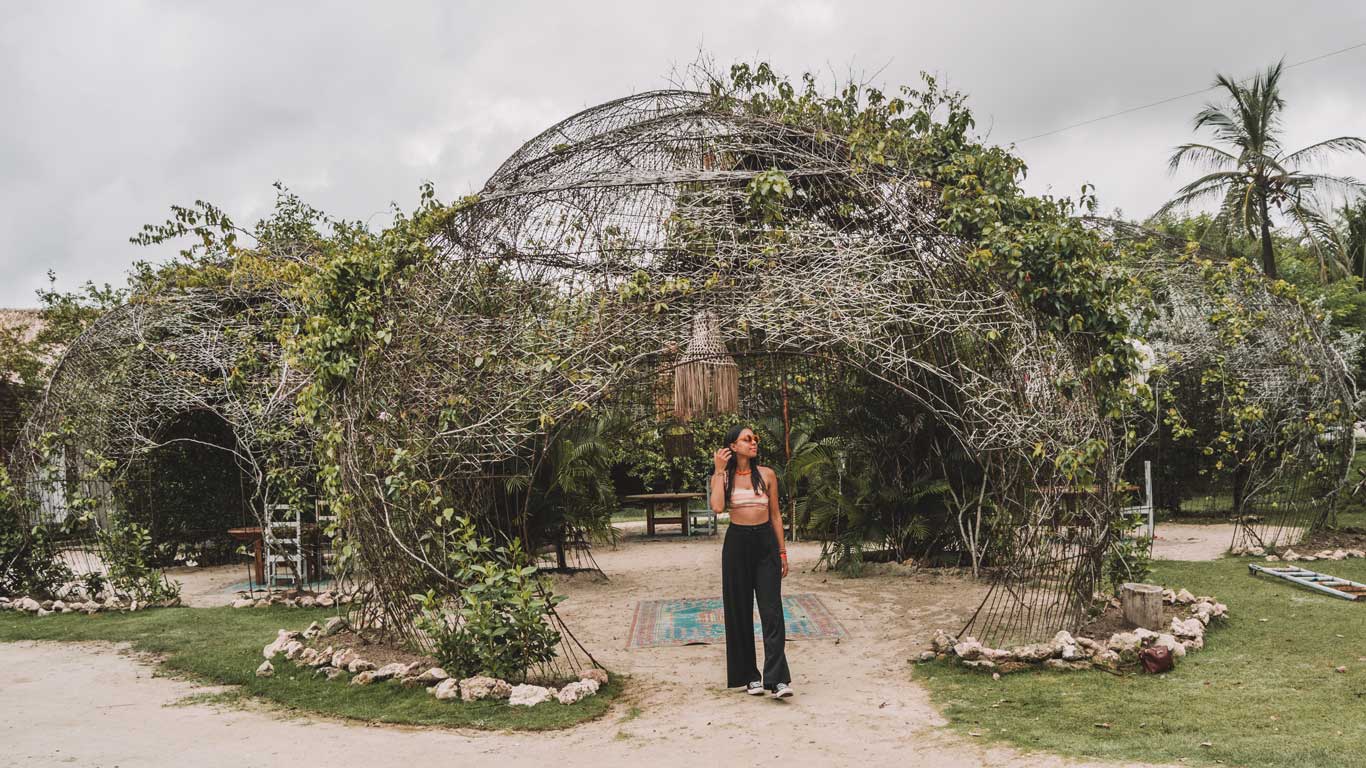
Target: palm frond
{"x": 1200, "y": 155}
{"x": 1206, "y": 186}
{"x": 1315, "y": 152}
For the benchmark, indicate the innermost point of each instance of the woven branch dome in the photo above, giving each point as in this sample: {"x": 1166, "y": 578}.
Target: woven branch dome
{"x": 121, "y": 390}
{"x": 1207, "y": 318}
{"x": 581, "y": 272}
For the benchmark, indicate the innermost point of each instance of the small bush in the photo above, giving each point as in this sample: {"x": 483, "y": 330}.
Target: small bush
{"x": 127, "y": 548}
{"x": 27, "y": 564}
{"x": 497, "y": 623}
{"x": 1129, "y": 558}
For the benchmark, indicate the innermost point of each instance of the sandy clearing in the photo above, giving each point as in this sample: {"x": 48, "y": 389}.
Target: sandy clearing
{"x": 1178, "y": 541}
{"x": 84, "y": 705}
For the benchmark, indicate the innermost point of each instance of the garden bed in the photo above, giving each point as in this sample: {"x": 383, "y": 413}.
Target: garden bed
{"x": 1268, "y": 693}
{"x": 223, "y": 646}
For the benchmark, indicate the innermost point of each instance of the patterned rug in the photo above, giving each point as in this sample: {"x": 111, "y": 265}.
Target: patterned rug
{"x": 697, "y": 620}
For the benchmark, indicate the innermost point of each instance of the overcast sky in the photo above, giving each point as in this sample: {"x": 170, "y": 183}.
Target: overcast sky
{"x": 113, "y": 111}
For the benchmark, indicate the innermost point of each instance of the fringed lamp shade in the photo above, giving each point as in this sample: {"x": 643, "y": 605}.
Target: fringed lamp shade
{"x": 706, "y": 381}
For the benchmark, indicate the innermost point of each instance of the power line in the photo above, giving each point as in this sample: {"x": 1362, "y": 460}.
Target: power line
{"x": 1182, "y": 96}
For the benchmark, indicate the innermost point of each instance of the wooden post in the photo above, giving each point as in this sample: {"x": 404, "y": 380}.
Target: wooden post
{"x": 1142, "y": 605}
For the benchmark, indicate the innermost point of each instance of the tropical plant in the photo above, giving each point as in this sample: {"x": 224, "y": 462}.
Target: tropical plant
{"x": 1352, "y": 216}
{"x": 129, "y": 551}
{"x": 1251, "y": 175}
{"x": 27, "y": 564}
{"x": 497, "y": 623}
{"x": 1129, "y": 558}
{"x": 572, "y": 486}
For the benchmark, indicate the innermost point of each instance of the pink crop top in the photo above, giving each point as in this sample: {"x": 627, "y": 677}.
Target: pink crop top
{"x": 747, "y": 497}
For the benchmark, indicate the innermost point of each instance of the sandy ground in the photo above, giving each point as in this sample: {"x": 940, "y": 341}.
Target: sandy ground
{"x": 1175, "y": 541}
{"x": 64, "y": 704}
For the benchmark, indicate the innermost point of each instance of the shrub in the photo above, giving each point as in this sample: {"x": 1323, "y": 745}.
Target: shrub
{"x": 128, "y": 548}
{"x": 496, "y": 624}
{"x": 1129, "y": 558}
{"x": 27, "y": 564}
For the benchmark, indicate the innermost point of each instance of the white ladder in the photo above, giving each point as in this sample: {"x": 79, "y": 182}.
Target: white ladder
{"x": 283, "y": 537}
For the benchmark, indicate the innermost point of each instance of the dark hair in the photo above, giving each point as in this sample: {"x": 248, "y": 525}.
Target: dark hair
{"x": 756, "y": 479}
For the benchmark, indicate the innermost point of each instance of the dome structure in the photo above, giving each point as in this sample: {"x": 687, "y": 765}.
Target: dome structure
{"x": 580, "y": 274}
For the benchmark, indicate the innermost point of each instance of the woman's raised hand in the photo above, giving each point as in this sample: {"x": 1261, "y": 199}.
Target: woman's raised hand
{"x": 721, "y": 457}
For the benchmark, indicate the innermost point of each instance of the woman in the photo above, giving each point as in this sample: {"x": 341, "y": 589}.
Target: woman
{"x": 753, "y": 564}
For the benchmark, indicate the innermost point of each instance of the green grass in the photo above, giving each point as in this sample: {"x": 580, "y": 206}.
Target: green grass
{"x": 629, "y": 515}
{"x": 1262, "y": 692}
{"x": 1353, "y": 518}
{"x": 223, "y": 646}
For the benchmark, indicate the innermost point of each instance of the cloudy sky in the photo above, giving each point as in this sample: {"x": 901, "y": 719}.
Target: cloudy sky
{"x": 113, "y": 111}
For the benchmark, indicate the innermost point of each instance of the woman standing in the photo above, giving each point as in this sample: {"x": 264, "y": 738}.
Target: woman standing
{"x": 753, "y": 564}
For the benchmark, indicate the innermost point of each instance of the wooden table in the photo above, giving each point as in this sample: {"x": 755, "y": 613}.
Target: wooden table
{"x": 652, "y": 500}
{"x": 253, "y": 535}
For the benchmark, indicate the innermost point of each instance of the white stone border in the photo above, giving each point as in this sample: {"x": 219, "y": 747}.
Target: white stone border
{"x": 1074, "y": 653}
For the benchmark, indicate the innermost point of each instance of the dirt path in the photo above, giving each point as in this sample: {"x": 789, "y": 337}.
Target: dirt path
{"x": 1184, "y": 541}
{"x": 82, "y": 705}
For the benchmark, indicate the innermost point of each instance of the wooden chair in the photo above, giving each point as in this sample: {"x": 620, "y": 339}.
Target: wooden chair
{"x": 704, "y": 514}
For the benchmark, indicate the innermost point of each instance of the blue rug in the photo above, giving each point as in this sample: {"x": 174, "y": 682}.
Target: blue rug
{"x": 700, "y": 620}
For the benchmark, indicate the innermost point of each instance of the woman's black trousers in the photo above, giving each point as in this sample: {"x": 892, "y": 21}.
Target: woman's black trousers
{"x": 750, "y": 570}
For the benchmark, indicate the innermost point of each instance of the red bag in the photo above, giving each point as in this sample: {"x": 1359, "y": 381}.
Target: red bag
{"x": 1155, "y": 659}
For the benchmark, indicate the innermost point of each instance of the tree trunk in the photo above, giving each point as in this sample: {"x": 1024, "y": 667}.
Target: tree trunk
{"x": 1141, "y": 605}
{"x": 1241, "y": 475}
{"x": 1268, "y": 257}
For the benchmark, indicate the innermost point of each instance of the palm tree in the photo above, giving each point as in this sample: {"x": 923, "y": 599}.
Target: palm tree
{"x": 1251, "y": 175}
{"x": 1353, "y": 234}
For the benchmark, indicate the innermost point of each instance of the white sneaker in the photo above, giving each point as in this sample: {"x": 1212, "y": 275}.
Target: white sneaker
{"x": 755, "y": 688}
{"x": 783, "y": 691}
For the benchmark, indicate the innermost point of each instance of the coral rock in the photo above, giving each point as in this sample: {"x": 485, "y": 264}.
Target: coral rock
{"x": 1035, "y": 653}
{"x": 1190, "y": 628}
{"x": 1171, "y": 644}
{"x": 333, "y": 626}
{"x": 1107, "y": 658}
{"x": 265, "y": 670}
{"x": 447, "y": 689}
{"x": 432, "y": 676}
{"x": 479, "y": 687}
{"x": 359, "y": 665}
{"x": 529, "y": 695}
{"x": 968, "y": 649}
{"x": 574, "y": 692}
{"x": 390, "y": 671}
{"x": 1123, "y": 641}
{"x": 364, "y": 678}
{"x": 284, "y": 638}
{"x": 943, "y": 642}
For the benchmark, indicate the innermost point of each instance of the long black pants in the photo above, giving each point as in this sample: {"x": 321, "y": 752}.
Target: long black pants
{"x": 750, "y": 569}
